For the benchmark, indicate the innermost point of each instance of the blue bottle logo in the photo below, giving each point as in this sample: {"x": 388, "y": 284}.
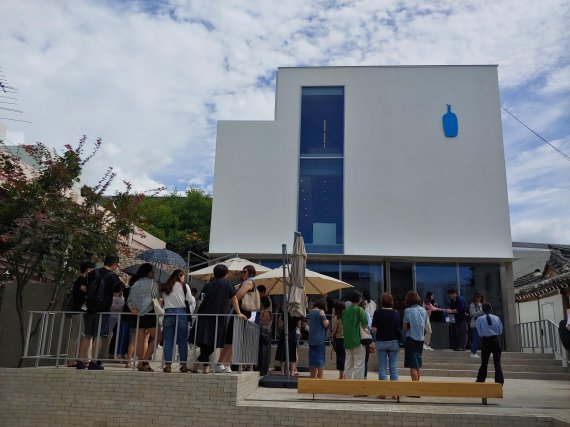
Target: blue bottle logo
{"x": 450, "y": 125}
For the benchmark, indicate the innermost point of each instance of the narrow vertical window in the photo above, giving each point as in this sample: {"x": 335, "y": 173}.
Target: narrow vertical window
{"x": 321, "y": 177}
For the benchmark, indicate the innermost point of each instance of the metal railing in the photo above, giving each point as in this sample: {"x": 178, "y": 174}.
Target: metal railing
{"x": 59, "y": 335}
{"x": 541, "y": 336}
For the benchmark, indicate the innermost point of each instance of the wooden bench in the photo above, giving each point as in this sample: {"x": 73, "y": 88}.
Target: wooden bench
{"x": 401, "y": 388}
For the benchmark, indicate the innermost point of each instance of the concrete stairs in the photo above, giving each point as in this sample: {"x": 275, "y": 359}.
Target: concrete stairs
{"x": 448, "y": 363}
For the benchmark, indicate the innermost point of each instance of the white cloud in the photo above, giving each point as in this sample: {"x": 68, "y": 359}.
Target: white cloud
{"x": 153, "y": 82}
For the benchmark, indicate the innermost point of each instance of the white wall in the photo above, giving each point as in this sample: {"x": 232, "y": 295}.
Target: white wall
{"x": 409, "y": 190}
{"x": 550, "y": 308}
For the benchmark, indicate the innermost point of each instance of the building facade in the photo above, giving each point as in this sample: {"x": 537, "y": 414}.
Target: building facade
{"x": 395, "y": 176}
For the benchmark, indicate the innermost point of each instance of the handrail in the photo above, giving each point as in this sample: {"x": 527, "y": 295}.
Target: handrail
{"x": 541, "y": 336}
{"x": 59, "y": 336}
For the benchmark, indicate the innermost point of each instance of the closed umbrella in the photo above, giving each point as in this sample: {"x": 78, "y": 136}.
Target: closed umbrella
{"x": 235, "y": 267}
{"x": 297, "y": 296}
{"x": 315, "y": 283}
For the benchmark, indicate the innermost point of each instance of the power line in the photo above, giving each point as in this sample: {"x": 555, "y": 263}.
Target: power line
{"x": 566, "y": 156}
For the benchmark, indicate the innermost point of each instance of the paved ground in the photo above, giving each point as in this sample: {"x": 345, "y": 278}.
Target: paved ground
{"x": 533, "y": 397}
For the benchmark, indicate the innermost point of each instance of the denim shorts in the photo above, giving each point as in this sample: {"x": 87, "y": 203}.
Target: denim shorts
{"x": 317, "y": 356}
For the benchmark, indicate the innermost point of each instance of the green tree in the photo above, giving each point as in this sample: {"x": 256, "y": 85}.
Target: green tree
{"x": 43, "y": 232}
{"x": 183, "y": 222}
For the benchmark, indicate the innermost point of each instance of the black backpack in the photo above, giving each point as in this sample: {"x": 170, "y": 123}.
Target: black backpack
{"x": 96, "y": 299}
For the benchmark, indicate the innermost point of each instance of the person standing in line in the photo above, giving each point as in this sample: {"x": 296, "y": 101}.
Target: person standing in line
{"x": 218, "y": 297}
{"x": 369, "y": 304}
{"x": 353, "y": 318}
{"x": 430, "y": 306}
{"x": 176, "y": 294}
{"x": 475, "y": 311}
{"x": 318, "y": 324}
{"x": 458, "y": 308}
{"x": 338, "y": 339}
{"x": 265, "y": 323}
{"x": 490, "y": 328}
{"x": 247, "y": 285}
{"x": 414, "y": 327}
{"x": 140, "y": 303}
{"x": 78, "y": 304}
{"x": 362, "y": 305}
{"x": 386, "y": 326}
{"x": 96, "y": 324}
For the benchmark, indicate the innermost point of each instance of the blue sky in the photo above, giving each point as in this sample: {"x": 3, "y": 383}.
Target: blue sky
{"x": 153, "y": 77}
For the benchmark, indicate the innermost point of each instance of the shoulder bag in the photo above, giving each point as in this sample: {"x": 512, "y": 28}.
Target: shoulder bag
{"x": 251, "y": 300}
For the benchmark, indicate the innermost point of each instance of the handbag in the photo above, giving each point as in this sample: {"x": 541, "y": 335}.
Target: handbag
{"x": 251, "y": 300}
{"x": 365, "y": 335}
{"x": 156, "y": 304}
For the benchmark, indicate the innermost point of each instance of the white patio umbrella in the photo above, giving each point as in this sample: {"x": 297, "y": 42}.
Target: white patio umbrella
{"x": 297, "y": 296}
{"x": 315, "y": 283}
{"x": 235, "y": 267}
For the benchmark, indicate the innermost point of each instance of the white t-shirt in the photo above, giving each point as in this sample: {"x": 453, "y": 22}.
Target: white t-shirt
{"x": 176, "y": 298}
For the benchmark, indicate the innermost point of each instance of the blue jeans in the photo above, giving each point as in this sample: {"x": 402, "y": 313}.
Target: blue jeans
{"x": 169, "y": 329}
{"x": 387, "y": 356}
{"x": 474, "y": 340}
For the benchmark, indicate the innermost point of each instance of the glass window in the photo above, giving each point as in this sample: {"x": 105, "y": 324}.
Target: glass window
{"x": 485, "y": 278}
{"x": 321, "y": 205}
{"x": 401, "y": 281}
{"x": 322, "y": 121}
{"x": 365, "y": 277}
{"x": 437, "y": 278}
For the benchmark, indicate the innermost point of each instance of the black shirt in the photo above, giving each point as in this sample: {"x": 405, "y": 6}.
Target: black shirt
{"x": 78, "y": 294}
{"x": 387, "y": 324}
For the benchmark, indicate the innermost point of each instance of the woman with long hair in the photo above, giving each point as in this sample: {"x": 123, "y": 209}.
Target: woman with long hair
{"x": 490, "y": 328}
{"x": 338, "y": 338}
{"x": 140, "y": 303}
{"x": 176, "y": 294}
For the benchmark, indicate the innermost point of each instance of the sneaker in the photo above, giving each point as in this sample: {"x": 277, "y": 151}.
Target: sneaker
{"x": 219, "y": 368}
{"x": 474, "y": 356}
{"x": 225, "y": 370}
{"x": 429, "y": 348}
{"x": 80, "y": 365}
{"x": 93, "y": 366}
{"x": 426, "y": 347}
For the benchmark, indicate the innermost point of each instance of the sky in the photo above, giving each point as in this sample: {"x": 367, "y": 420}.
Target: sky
{"x": 151, "y": 78}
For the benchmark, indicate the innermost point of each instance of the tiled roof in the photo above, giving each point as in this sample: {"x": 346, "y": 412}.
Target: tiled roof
{"x": 555, "y": 276}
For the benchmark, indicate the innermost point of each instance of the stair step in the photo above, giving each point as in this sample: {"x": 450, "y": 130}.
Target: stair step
{"x": 404, "y": 372}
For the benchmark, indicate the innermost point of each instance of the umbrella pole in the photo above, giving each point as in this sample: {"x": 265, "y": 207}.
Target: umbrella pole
{"x": 285, "y": 312}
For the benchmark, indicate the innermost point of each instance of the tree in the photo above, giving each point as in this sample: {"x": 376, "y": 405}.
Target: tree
{"x": 44, "y": 232}
{"x": 183, "y": 222}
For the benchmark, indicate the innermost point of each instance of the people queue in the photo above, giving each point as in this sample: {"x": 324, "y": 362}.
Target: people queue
{"x": 357, "y": 328}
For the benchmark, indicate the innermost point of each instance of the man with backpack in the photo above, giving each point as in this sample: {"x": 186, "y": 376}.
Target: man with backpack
{"x": 98, "y": 299}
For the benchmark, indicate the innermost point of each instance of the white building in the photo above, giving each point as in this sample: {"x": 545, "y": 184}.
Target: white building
{"x": 387, "y": 197}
